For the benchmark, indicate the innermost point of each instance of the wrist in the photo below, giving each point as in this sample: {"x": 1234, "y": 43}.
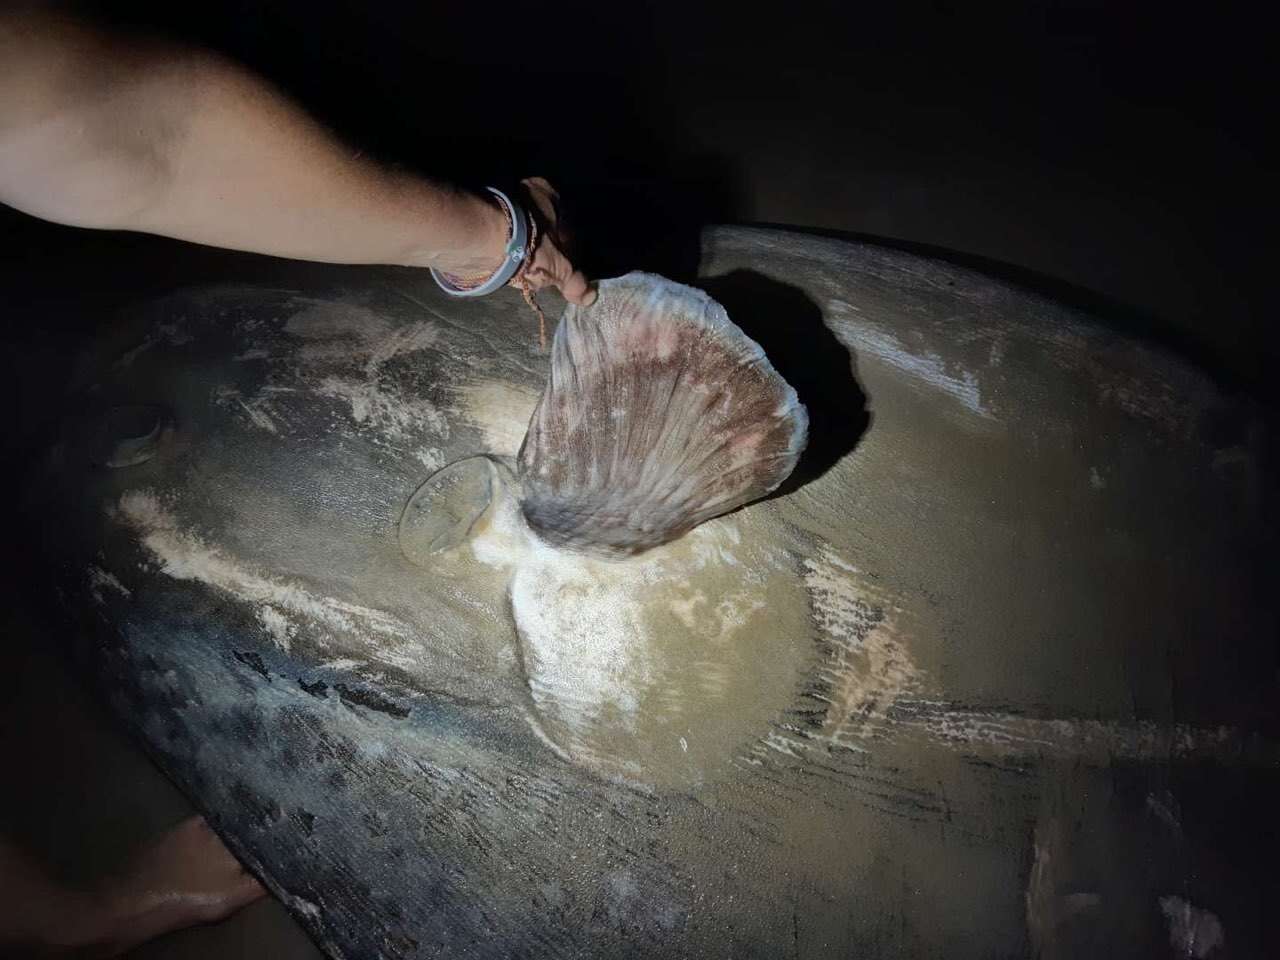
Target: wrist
{"x": 469, "y": 236}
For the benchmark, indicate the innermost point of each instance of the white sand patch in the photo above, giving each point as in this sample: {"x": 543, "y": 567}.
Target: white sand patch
{"x": 586, "y": 648}
{"x": 501, "y": 411}
{"x": 279, "y": 628}
{"x": 382, "y": 406}
{"x": 340, "y": 352}
{"x": 430, "y": 457}
{"x": 350, "y": 334}
{"x": 596, "y": 634}
{"x": 184, "y": 556}
{"x": 353, "y": 337}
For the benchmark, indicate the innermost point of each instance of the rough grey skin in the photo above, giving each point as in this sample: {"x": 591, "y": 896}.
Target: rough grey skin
{"x": 1039, "y": 643}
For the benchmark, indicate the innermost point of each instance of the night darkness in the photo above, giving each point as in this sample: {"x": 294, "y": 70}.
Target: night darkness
{"x": 1110, "y": 153}
{"x": 1112, "y": 157}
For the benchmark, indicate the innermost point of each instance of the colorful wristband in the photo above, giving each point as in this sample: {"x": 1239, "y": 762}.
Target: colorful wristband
{"x": 516, "y": 252}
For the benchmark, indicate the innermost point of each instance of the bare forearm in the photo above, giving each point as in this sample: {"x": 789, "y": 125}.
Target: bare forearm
{"x": 249, "y": 170}
{"x": 119, "y": 135}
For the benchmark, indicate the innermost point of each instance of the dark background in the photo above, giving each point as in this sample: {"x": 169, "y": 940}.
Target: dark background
{"x": 1110, "y": 153}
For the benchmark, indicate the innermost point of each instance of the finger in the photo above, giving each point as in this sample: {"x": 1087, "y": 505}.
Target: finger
{"x": 556, "y": 270}
{"x": 541, "y": 185}
{"x": 576, "y": 289}
{"x": 247, "y": 891}
{"x": 550, "y": 267}
{"x": 544, "y": 197}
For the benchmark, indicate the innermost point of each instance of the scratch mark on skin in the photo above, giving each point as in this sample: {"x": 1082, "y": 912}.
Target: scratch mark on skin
{"x": 259, "y": 409}
{"x": 1165, "y": 808}
{"x": 927, "y": 367}
{"x": 254, "y": 662}
{"x": 472, "y": 331}
{"x": 1046, "y": 908}
{"x": 259, "y": 417}
{"x": 100, "y": 579}
{"x": 1193, "y": 932}
{"x": 370, "y": 699}
{"x": 303, "y": 906}
{"x": 425, "y": 307}
{"x": 868, "y": 668}
{"x": 873, "y": 692}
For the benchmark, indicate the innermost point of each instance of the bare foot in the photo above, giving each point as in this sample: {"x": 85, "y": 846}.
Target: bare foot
{"x": 184, "y": 878}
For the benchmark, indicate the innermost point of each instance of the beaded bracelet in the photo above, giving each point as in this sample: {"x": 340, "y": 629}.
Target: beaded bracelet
{"x": 518, "y": 252}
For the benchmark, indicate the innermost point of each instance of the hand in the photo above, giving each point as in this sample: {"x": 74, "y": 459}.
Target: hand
{"x": 184, "y": 878}
{"x": 550, "y": 266}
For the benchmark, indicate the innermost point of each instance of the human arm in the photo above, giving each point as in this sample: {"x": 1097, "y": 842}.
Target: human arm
{"x": 109, "y": 132}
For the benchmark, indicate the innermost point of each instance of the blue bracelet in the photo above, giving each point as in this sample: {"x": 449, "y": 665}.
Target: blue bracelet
{"x": 513, "y": 260}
